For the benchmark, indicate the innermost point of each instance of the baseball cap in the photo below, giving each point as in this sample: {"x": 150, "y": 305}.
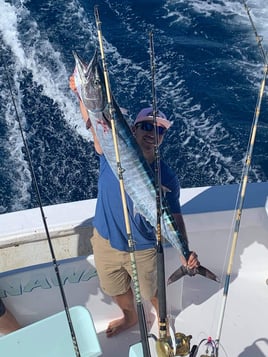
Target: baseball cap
{"x": 147, "y": 114}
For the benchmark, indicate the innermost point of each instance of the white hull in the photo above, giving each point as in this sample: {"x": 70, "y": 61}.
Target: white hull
{"x": 193, "y": 304}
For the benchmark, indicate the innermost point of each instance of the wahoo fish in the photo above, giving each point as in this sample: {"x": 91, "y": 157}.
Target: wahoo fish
{"x": 137, "y": 174}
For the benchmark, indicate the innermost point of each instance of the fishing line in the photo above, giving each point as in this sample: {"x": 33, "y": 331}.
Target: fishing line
{"x": 244, "y": 178}
{"x": 36, "y": 187}
{"x": 120, "y": 170}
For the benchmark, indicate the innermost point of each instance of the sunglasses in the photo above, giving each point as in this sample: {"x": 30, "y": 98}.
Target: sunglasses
{"x": 148, "y": 126}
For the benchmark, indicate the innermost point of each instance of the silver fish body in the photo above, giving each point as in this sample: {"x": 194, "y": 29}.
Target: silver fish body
{"x": 138, "y": 180}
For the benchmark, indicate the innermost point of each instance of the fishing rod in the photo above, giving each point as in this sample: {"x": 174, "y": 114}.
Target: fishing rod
{"x": 244, "y": 179}
{"x": 165, "y": 347}
{"x": 120, "y": 170}
{"x": 162, "y": 344}
{"x": 37, "y": 191}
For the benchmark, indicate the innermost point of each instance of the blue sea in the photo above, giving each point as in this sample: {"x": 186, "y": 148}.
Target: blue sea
{"x": 208, "y": 74}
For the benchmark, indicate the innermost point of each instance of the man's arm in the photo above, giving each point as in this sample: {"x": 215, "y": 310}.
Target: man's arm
{"x": 193, "y": 261}
{"x": 85, "y": 117}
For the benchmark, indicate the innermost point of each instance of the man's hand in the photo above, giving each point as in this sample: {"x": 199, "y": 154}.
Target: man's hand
{"x": 83, "y": 109}
{"x": 192, "y": 262}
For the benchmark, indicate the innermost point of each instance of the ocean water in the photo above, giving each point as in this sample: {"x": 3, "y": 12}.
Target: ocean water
{"x": 208, "y": 74}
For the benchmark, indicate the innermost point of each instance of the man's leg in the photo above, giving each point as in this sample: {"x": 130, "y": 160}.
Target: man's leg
{"x": 130, "y": 318}
{"x": 154, "y": 301}
{"x": 115, "y": 282}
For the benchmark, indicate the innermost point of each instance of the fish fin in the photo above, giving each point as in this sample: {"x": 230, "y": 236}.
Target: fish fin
{"x": 93, "y": 61}
{"x": 207, "y": 273}
{"x": 124, "y": 111}
{"x": 179, "y": 273}
{"x": 165, "y": 190}
{"x": 183, "y": 270}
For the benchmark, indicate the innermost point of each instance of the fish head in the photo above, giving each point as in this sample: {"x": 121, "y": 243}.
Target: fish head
{"x": 90, "y": 83}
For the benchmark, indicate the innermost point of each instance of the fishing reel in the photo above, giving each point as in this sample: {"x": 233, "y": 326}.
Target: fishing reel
{"x": 179, "y": 346}
{"x": 210, "y": 348}
{"x": 182, "y": 344}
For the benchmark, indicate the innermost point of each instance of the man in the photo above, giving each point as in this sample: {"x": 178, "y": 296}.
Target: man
{"x": 8, "y": 322}
{"x": 109, "y": 241}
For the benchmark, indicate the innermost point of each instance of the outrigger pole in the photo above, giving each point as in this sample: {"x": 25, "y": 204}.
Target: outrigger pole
{"x": 244, "y": 178}
{"x": 36, "y": 188}
{"x": 140, "y": 309}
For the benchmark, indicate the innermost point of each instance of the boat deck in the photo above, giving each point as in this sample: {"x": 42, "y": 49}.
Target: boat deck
{"x": 194, "y": 304}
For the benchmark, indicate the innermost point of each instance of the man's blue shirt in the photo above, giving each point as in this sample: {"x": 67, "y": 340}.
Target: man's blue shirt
{"x": 109, "y": 218}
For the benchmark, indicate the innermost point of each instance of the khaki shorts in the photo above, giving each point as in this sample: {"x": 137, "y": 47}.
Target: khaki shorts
{"x": 115, "y": 272}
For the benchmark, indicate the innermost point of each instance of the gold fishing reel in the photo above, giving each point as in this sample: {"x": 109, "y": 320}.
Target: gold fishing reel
{"x": 182, "y": 346}
{"x": 164, "y": 348}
